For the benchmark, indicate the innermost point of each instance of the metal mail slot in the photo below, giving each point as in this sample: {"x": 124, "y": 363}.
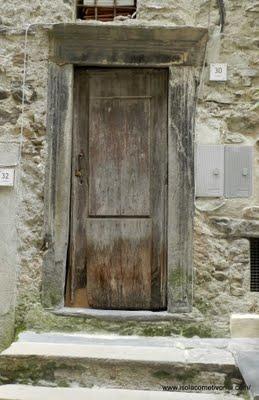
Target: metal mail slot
{"x": 238, "y": 171}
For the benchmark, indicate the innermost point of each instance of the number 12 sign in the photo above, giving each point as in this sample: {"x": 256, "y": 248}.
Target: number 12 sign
{"x": 6, "y": 176}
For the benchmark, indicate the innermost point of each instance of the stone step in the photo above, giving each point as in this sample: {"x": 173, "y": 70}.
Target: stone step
{"x": 23, "y": 392}
{"x": 248, "y": 363}
{"x": 118, "y": 362}
{"x": 244, "y": 326}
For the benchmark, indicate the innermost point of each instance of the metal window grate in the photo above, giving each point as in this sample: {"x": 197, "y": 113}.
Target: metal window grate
{"x": 105, "y": 10}
{"x": 254, "y": 262}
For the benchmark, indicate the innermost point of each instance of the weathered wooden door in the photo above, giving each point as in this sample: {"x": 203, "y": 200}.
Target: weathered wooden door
{"x": 117, "y": 253}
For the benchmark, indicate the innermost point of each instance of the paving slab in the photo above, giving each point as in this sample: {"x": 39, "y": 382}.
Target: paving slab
{"x": 248, "y": 363}
{"x": 23, "y": 392}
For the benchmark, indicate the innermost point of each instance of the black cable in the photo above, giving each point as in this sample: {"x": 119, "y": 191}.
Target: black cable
{"x": 222, "y": 14}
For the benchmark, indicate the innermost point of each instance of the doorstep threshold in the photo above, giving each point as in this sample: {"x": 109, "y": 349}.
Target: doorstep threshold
{"x": 122, "y": 315}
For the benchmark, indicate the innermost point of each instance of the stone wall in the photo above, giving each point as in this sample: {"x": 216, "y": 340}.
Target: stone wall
{"x": 27, "y": 199}
{"x": 227, "y": 113}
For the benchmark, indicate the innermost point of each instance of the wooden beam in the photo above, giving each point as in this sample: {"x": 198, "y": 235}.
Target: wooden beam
{"x": 182, "y": 96}
{"x": 57, "y": 187}
{"x": 133, "y": 45}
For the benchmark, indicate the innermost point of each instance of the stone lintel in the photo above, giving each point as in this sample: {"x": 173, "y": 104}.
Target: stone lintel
{"x": 236, "y": 227}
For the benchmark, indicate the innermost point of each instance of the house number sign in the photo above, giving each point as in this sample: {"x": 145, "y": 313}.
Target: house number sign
{"x": 6, "y": 176}
{"x": 218, "y": 72}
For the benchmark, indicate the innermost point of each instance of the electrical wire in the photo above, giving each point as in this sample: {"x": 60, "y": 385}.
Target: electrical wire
{"x": 25, "y": 65}
{"x": 26, "y": 57}
{"x": 202, "y": 80}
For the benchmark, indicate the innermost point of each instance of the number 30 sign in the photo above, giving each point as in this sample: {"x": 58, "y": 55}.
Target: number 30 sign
{"x": 218, "y": 72}
{"x": 6, "y": 176}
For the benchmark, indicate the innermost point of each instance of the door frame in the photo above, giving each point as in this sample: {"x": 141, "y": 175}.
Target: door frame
{"x": 181, "y": 50}
{"x": 75, "y": 291}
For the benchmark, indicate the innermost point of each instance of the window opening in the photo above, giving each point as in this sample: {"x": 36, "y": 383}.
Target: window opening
{"x": 105, "y": 10}
{"x": 254, "y": 263}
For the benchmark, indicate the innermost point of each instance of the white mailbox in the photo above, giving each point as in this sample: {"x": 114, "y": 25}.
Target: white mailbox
{"x": 238, "y": 171}
{"x": 209, "y": 170}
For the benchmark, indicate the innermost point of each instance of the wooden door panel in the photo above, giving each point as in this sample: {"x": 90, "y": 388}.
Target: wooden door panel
{"x": 118, "y": 244}
{"x": 119, "y": 263}
{"x": 119, "y": 83}
{"x": 119, "y": 162}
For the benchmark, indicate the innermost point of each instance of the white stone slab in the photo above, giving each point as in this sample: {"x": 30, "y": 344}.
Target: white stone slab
{"x": 21, "y": 392}
{"x": 122, "y": 315}
{"x": 192, "y": 345}
{"x": 128, "y": 353}
{"x": 248, "y": 363}
{"x": 115, "y": 340}
{"x": 244, "y": 326}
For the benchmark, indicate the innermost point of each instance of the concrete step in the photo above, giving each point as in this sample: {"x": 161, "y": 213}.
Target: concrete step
{"x": 118, "y": 362}
{"x": 22, "y": 392}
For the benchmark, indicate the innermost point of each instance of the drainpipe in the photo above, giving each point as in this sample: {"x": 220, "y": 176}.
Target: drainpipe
{"x": 222, "y": 14}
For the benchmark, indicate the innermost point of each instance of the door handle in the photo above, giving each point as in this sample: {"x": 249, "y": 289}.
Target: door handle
{"x": 78, "y": 172}
{"x": 245, "y": 172}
